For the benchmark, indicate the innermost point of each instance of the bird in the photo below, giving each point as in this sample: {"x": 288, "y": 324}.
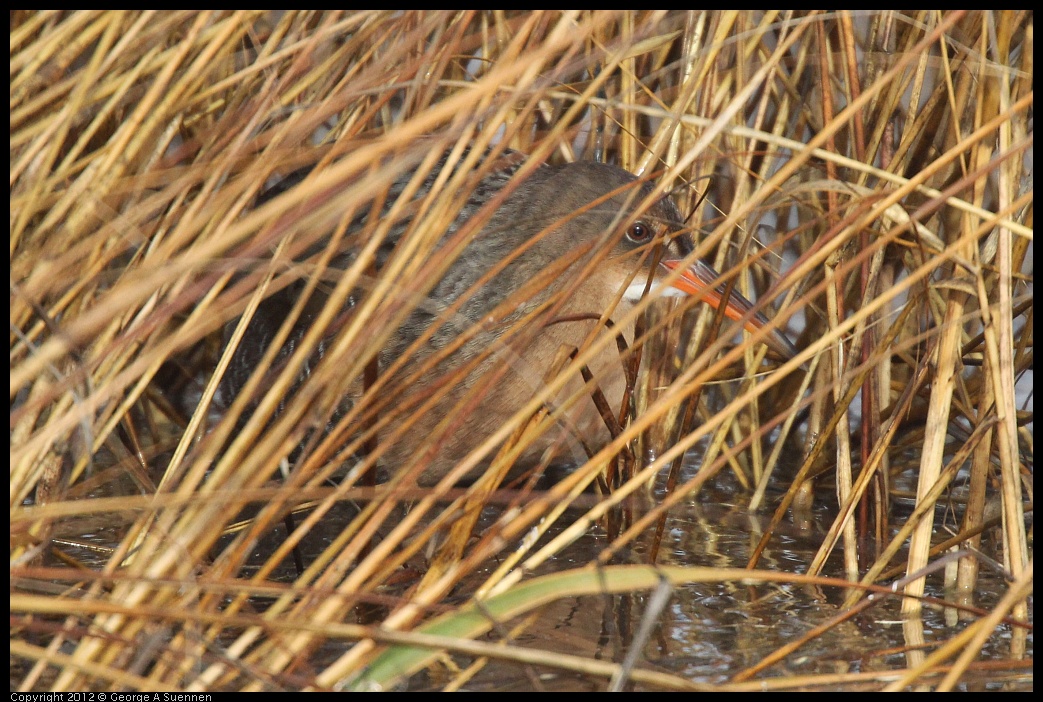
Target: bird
{"x": 543, "y": 254}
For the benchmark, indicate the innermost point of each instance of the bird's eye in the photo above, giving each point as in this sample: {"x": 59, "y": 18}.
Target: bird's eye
{"x": 639, "y": 233}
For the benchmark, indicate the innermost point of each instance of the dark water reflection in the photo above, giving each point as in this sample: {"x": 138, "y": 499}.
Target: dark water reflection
{"x": 711, "y": 632}
{"x": 708, "y": 632}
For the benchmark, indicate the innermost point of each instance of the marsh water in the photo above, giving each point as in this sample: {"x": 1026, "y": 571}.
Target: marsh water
{"x": 707, "y": 633}
{"x": 710, "y": 632}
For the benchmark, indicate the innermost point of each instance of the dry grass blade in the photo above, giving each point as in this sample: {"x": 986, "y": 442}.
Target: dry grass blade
{"x": 866, "y": 178}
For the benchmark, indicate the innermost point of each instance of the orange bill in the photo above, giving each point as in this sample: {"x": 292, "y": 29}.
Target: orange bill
{"x": 701, "y": 281}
